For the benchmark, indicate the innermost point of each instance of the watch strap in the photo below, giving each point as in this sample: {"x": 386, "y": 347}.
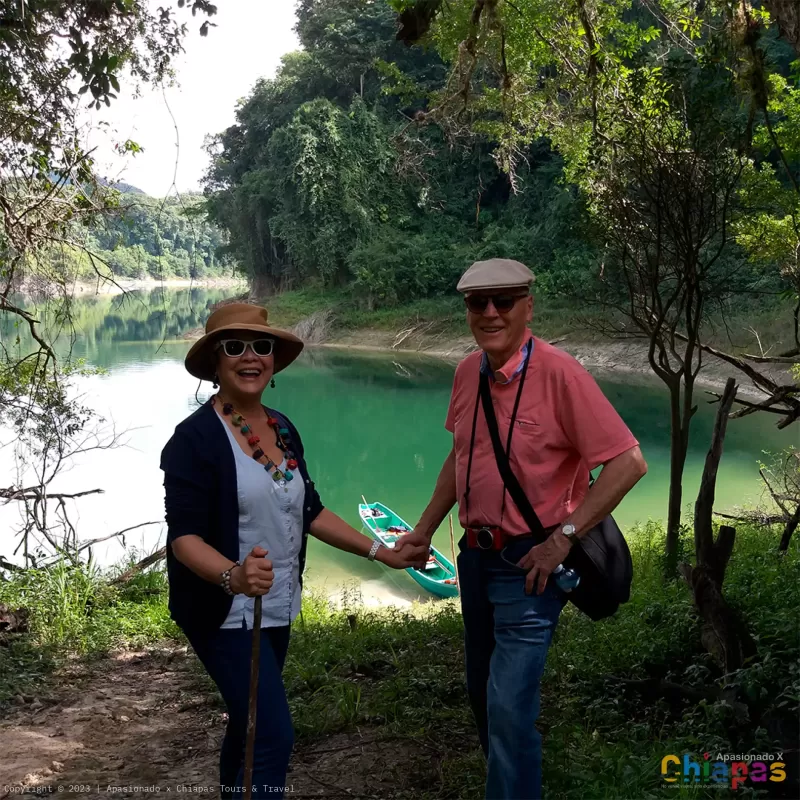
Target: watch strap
{"x": 376, "y": 545}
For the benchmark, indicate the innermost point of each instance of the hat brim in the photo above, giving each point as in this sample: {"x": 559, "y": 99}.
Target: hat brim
{"x": 494, "y": 287}
{"x": 200, "y": 360}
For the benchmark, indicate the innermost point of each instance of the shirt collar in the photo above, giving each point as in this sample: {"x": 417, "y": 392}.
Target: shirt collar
{"x": 512, "y": 367}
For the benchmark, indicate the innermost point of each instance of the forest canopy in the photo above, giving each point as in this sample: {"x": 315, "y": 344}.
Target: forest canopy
{"x": 325, "y": 178}
{"x": 150, "y": 238}
{"x": 389, "y": 168}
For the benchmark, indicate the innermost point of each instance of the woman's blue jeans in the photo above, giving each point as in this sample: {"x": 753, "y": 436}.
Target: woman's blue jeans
{"x": 226, "y": 657}
{"x": 507, "y": 636}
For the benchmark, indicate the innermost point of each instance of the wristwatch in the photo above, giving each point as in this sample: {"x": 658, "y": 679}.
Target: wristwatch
{"x": 376, "y": 545}
{"x": 570, "y": 531}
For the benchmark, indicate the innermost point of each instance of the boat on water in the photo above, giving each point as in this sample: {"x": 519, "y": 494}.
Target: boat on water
{"x": 438, "y": 576}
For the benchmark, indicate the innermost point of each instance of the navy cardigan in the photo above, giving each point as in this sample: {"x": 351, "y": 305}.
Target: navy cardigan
{"x": 201, "y": 498}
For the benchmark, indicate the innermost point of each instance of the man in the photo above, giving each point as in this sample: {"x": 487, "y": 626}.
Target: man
{"x": 563, "y": 426}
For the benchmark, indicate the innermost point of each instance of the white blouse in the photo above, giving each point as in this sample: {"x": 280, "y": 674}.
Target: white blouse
{"x": 270, "y": 516}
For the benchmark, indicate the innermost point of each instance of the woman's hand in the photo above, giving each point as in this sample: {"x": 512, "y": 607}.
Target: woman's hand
{"x": 412, "y": 555}
{"x": 255, "y": 576}
{"x": 411, "y": 540}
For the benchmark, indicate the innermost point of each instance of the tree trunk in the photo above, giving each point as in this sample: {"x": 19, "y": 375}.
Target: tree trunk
{"x": 791, "y": 527}
{"x": 724, "y": 635}
{"x": 704, "y": 544}
{"x": 677, "y": 461}
{"x": 787, "y": 14}
{"x": 262, "y": 286}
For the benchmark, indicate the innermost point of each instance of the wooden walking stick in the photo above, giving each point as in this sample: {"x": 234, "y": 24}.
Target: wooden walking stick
{"x": 453, "y": 553}
{"x": 252, "y": 704}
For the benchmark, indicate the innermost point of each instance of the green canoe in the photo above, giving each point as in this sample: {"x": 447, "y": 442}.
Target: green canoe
{"x": 438, "y": 576}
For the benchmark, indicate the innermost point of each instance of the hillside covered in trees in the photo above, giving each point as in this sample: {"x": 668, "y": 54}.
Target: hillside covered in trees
{"x": 147, "y": 237}
{"x": 336, "y": 173}
{"x": 325, "y": 179}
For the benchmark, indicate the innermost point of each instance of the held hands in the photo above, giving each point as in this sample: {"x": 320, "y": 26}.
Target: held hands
{"x": 255, "y": 576}
{"x": 410, "y": 550}
{"x": 541, "y": 560}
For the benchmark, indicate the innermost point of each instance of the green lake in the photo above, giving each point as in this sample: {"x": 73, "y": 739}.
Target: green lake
{"x": 372, "y": 424}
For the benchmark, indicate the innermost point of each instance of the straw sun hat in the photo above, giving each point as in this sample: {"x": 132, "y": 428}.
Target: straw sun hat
{"x": 200, "y": 361}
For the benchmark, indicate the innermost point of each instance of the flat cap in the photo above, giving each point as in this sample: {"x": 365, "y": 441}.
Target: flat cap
{"x": 496, "y": 273}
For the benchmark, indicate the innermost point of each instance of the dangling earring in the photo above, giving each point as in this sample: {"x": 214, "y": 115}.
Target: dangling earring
{"x": 272, "y": 383}
{"x": 216, "y": 381}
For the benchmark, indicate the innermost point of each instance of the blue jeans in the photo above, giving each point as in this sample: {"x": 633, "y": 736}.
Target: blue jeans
{"x": 226, "y": 657}
{"x": 507, "y": 634}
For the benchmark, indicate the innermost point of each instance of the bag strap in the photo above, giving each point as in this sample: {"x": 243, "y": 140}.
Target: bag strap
{"x": 506, "y": 473}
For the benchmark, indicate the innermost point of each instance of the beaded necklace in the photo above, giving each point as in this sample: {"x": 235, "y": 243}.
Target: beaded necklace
{"x": 282, "y": 441}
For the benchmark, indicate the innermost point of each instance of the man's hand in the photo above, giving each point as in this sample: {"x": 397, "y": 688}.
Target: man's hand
{"x": 255, "y": 576}
{"x": 543, "y": 559}
{"x": 414, "y": 547}
{"x": 412, "y": 539}
{"x": 410, "y": 556}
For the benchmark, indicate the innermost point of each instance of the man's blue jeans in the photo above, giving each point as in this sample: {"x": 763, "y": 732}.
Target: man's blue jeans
{"x": 226, "y": 657}
{"x": 507, "y": 635}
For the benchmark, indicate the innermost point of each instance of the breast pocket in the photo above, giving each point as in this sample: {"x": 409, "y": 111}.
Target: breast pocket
{"x": 527, "y": 427}
{"x": 528, "y": 448}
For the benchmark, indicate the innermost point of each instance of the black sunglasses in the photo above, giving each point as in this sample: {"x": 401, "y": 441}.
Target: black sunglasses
{"x": 236, "y": 347}
{"x": 478, "y": 303}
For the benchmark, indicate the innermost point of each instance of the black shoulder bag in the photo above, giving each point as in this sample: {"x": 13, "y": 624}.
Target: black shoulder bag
{"x": 601, "y": 557}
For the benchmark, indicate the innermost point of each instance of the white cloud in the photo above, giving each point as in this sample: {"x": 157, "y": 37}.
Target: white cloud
{"x": 213, "y": 75}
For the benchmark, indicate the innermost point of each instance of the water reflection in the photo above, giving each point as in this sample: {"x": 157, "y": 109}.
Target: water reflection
{"x": 100, "y": 327}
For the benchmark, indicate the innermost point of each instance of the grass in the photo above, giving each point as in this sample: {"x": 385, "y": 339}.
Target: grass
{"x": 290, "y": 307}
{"x": 73, "y": 611}
{"x": 400, "y": 673}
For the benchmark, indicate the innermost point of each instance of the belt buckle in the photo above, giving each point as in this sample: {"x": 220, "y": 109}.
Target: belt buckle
{"x": 485, "y": 538}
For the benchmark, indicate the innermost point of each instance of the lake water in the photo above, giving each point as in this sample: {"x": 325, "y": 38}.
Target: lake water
{"x": 372, "y": 424}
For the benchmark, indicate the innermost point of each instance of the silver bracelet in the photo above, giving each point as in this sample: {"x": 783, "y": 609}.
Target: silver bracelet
{"x": 225, "y": 583}
{"x": 376, "y": 545}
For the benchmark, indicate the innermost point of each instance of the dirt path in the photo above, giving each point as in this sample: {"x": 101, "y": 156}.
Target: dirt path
{"x": 140, "y": 723}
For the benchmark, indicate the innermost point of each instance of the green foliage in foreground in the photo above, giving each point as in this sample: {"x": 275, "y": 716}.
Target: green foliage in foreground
{"x": 402, "y": 670}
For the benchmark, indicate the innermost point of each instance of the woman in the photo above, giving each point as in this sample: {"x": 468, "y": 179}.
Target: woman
{"x": 239, "y": 506}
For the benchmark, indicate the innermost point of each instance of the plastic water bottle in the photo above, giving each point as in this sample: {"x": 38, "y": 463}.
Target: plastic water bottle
{"x": 566, "y": 578}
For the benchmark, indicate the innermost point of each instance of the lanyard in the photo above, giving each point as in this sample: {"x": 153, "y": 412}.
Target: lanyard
{"x": 508, "y": 441}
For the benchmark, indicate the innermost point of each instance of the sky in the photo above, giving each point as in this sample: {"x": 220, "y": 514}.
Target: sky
{"x": 213, "y": 74}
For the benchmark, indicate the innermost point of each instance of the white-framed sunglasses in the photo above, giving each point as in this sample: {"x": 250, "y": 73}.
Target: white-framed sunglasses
{"x": 233, "y": 348}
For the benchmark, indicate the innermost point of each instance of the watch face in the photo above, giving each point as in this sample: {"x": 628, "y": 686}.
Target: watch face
{"x": 568, "y": 530}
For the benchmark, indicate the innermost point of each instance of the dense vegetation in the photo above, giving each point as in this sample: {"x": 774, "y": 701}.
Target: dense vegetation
{"x": 323, "y": 179}
{"x": 350, "y": 169}
{"x": 144, "y": 238}
{"x": 399, "y": 675}
{"x": 153, "y": 238}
